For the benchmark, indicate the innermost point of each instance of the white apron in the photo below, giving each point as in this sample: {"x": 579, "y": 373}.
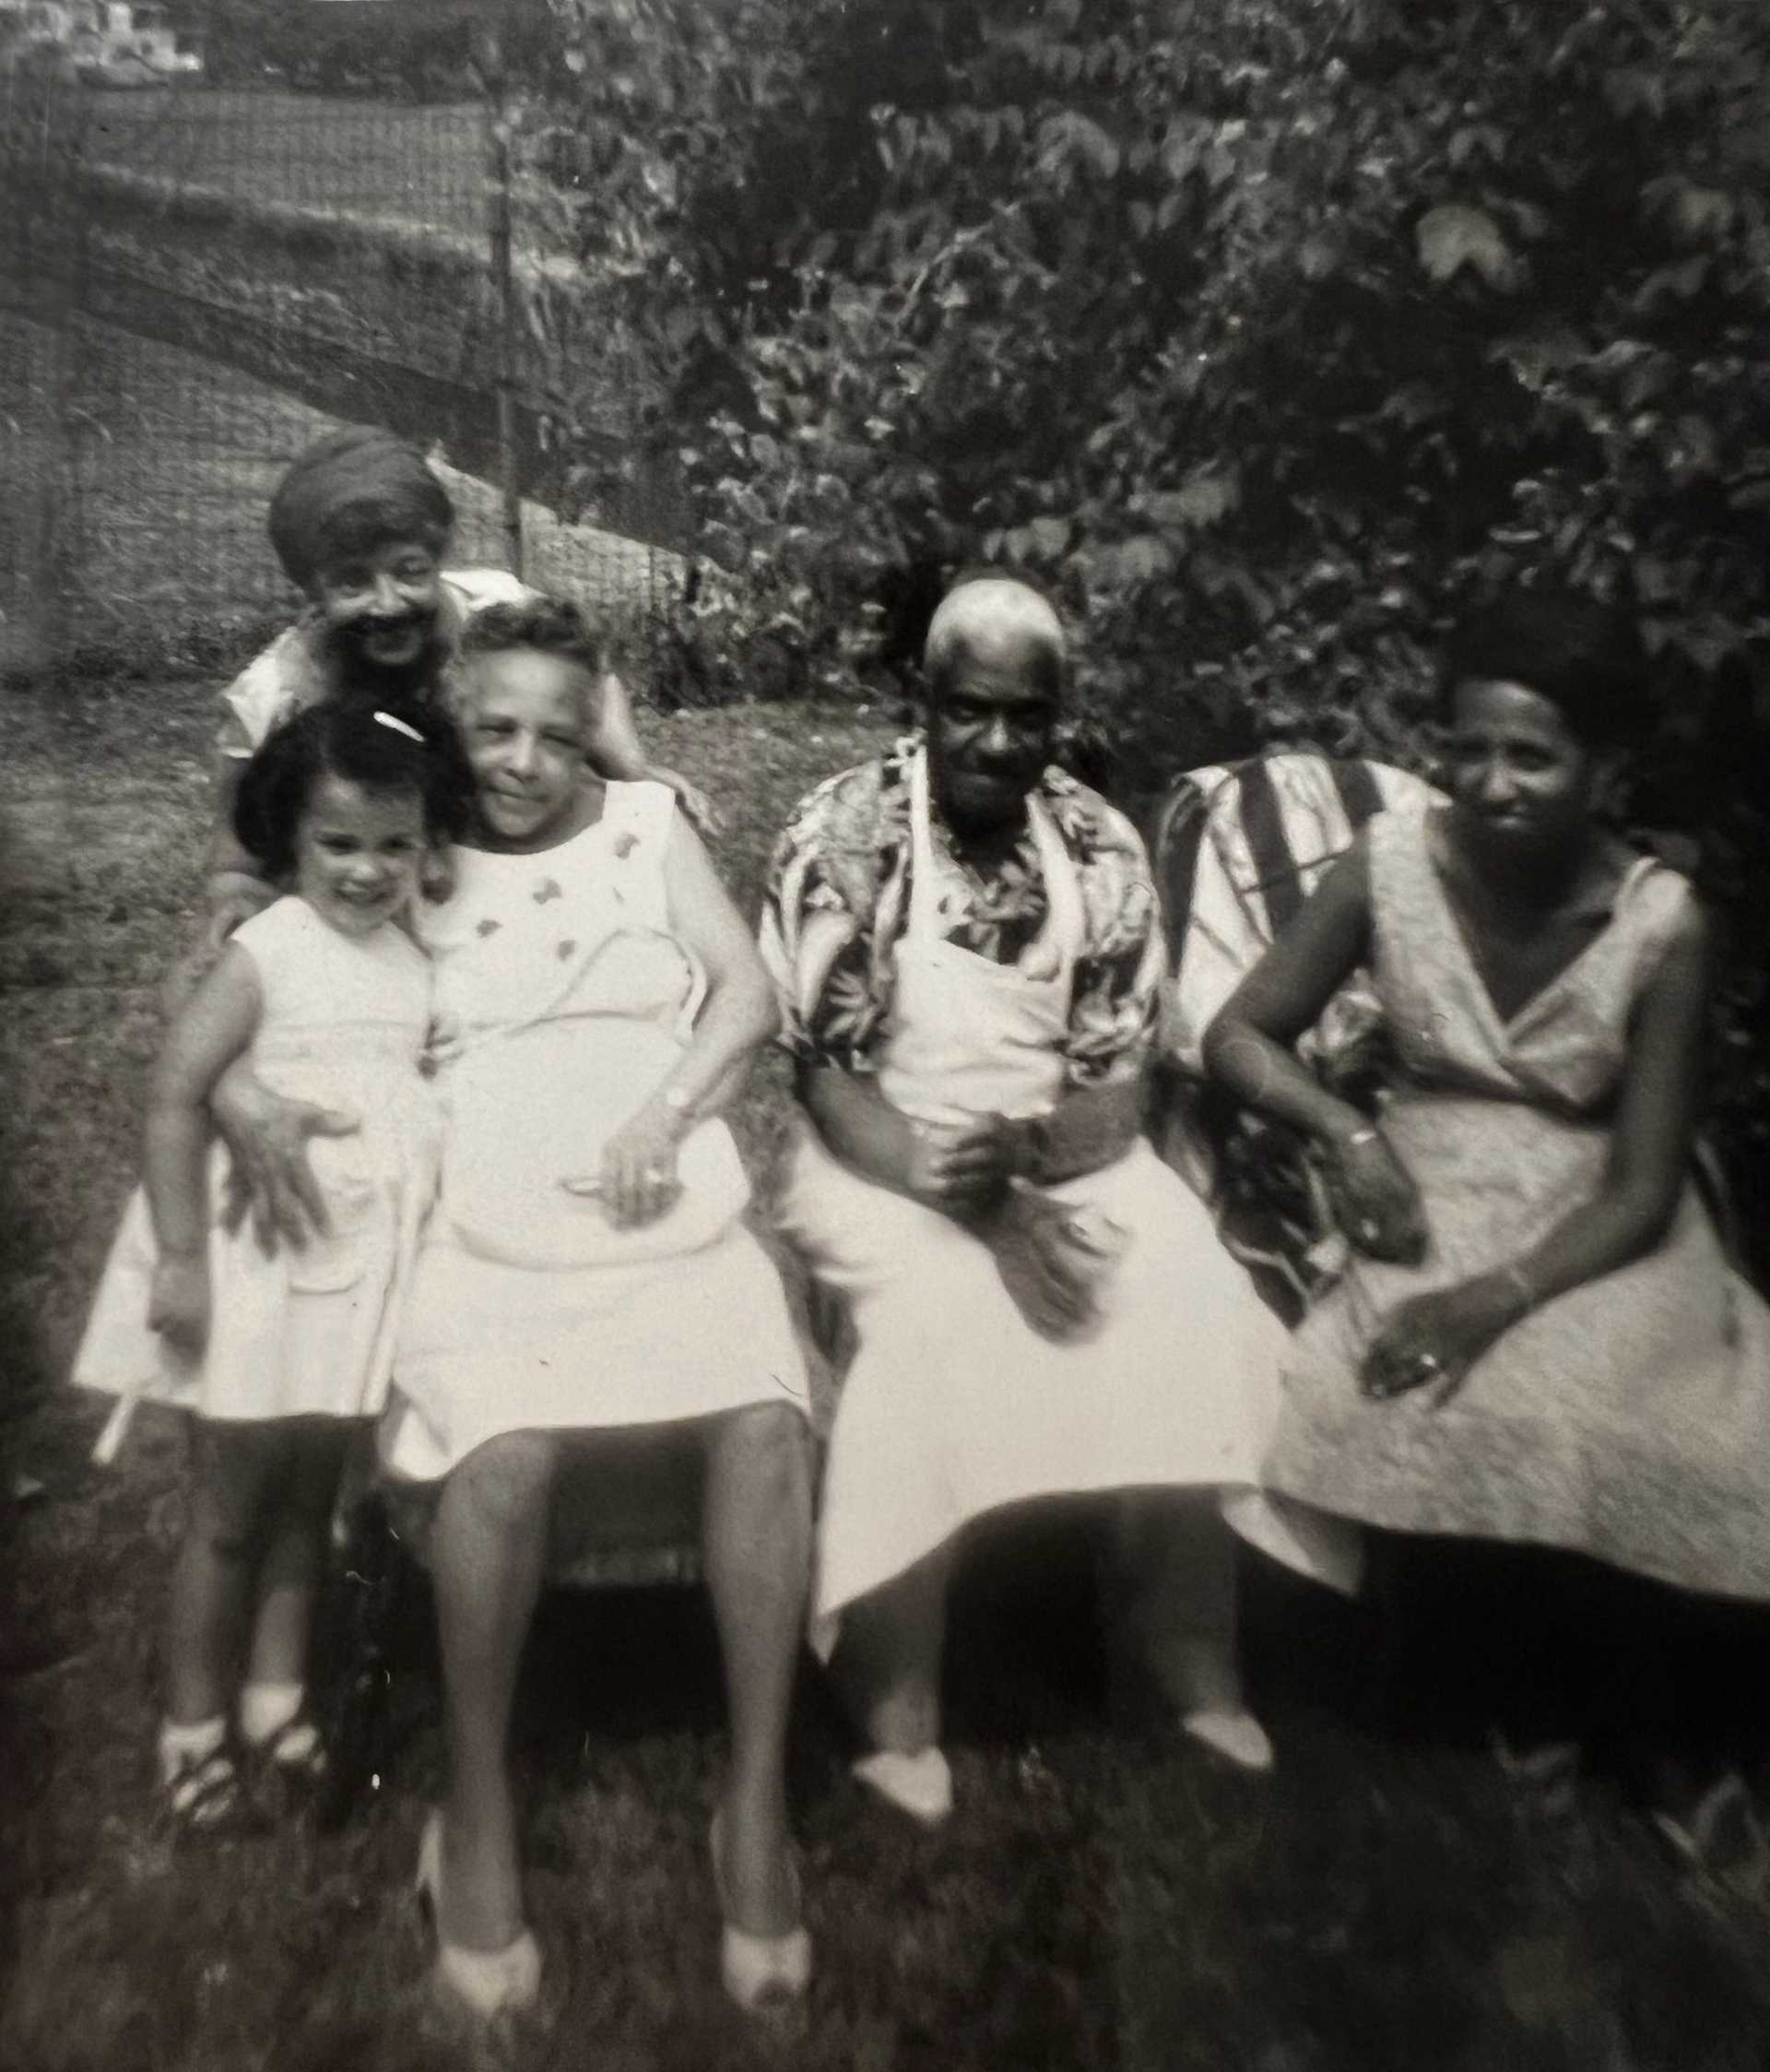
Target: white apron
{"x": 953, "y": 1405}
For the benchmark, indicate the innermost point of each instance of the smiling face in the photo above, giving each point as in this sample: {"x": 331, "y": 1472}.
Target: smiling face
{"x": 357, "y": 853}
{"x": 1522, "y": 780}
{"x": 524, "y": 725}
{"x": 381, "y": 608}
{"x": 991, "y": 725}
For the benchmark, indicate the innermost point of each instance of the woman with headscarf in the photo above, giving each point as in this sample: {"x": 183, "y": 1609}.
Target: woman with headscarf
{"x": 361, "y": 525}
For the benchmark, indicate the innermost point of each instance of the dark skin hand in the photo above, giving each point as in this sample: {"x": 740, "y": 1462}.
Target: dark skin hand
{"x": 1432, "y": 1340}
{"x": 962, "y": 1169}
{"x": 988, "y": 1175}
{"x": 1249, "y": 1048}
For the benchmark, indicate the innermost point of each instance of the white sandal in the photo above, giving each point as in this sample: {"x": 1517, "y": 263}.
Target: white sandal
{"x": 204, "y": 1793}
{"x": 487, "y": 1983}
{"x": 1235, "y": 1734}
{"x": 920, "y": 1785}
{"x": 759, "y": 1972}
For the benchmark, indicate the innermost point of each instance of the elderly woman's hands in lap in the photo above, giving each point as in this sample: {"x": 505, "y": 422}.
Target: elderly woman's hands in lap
{"x": 959, "y": 1168}
{"x": 638, "y": 1182}
{"x": 1054, "y": 1261}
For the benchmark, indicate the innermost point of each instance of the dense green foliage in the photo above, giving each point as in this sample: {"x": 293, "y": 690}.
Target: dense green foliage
{"x": 1270, "y": 332}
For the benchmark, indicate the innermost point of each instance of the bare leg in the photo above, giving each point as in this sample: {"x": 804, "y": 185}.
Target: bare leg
{"x": 1178, "y": 1562}
{"x": 887, "y": 1662}
{"x": 487, "y": 1549}
{"x": 295, "y": 1557}
{"x": 233, "y": 1474}
{"x": 757, "y": 1527}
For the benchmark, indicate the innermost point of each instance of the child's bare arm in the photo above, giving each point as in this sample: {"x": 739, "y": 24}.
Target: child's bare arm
{"x": 614, "y": 745}
{"x": 213, "y": 1027}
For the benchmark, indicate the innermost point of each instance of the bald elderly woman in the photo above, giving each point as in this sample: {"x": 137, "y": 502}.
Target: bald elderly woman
{"x": 965, "y": 943}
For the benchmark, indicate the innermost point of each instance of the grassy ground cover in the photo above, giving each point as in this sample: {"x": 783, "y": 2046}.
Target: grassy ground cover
{"x": 1106, "y": 1897}
{"x": 372, "y": 158}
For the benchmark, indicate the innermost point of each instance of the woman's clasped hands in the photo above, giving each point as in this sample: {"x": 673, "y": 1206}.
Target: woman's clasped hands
{"x": 1053, "y": 1258}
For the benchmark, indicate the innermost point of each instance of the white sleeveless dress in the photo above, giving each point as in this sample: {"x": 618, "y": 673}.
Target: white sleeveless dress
{"x": 953, "y": 1405}
{"x": 307, "y": 1332}
{"x": 562, "y": 1001}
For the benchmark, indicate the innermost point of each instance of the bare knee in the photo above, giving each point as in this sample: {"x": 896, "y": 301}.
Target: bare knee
{"x": 767, "y": 1444}
{"x": 508, "y": 1478}
{"x": 233, "y": 1503}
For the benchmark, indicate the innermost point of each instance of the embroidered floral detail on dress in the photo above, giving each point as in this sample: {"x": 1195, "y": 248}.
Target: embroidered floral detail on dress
{"x": 624, "y": 844}
{"x": 563, "y": 950}
{"x": 549, "y": 888}
{"x": 488, "y": 926}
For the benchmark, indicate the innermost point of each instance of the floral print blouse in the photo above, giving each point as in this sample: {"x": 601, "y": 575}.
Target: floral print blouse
{"x": 837, "y": 900}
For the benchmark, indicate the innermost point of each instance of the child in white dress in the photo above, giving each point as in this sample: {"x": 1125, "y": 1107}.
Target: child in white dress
{"x": 279, "y": 1357}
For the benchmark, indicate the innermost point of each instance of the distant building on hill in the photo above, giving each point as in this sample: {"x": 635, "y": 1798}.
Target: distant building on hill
{"x": 110, "y": 41}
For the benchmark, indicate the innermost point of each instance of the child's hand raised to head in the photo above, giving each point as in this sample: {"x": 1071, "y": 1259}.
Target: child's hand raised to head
{"x": 178, "y": 1304}
{"x": 693, "y": 802}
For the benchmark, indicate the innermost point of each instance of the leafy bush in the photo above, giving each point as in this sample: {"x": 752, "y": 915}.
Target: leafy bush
{"x": 1272, "y": 333}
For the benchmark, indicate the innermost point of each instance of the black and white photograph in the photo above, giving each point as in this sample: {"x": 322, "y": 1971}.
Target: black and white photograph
{"x": 884, "y": 1035}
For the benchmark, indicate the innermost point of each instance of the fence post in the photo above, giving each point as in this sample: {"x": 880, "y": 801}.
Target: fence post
{"x": 503, "y": 276}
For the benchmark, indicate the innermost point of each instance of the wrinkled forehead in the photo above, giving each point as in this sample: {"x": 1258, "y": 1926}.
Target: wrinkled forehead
{"x": 996, "y": 622}
{"x": 524, "y": 683}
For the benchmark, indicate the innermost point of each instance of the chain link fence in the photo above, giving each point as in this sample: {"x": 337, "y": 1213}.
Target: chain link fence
{"x": 195, "y": 281}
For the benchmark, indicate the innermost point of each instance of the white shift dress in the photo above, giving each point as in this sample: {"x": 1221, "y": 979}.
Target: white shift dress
{"x": 308, "y": 1332}
{"x": 563, "y": 1000}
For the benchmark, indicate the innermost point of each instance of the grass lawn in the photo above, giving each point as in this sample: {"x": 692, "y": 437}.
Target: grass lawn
{"x": 1106, "y": 1897}
{"x": 363, "y": 156}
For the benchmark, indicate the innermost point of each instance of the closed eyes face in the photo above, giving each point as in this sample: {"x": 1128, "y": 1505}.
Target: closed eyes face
{"x": 1516, "y": 770}
{"x": 524, "y": 727}
{"x": 357, "y": 853}
{"x": 382, "y": 604}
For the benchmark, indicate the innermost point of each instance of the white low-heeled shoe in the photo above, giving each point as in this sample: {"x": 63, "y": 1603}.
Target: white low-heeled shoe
{"x": 487, "y": 1983}
{"x": 759, "y": 1972}
{"x": 1235, "y": 1734}
{"x": 920, "y": 1785}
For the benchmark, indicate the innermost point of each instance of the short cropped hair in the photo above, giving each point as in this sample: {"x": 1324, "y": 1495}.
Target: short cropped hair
{"x": 950, "y": 645}
{"x": 1584, "y": 657}
{"x": 549, "y": 625}
{"x": 387, "y": 747}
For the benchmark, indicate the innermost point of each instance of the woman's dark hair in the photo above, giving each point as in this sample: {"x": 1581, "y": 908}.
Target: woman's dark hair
{"x": 390, "y": 746}
{"x": 1585, "y": 658}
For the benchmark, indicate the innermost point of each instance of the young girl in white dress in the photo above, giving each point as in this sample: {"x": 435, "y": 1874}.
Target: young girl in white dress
{"x": 279, "y": 1357}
